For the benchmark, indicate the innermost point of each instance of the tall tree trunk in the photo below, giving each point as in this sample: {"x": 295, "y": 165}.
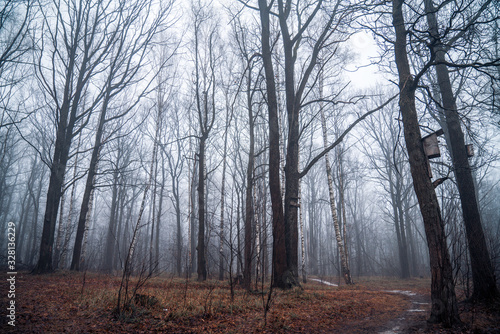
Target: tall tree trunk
{"x": 344, "y": 265}
{"x": 292, "y": 158}
{"x": 223, "y": 192}
{"x": 222, "y": 202}
{"x": 152, "y": 266}
{"x": 192, "y": 222}
{"x": 302, "y": 241}
{"x": 483, "y": 277}
{"x": 258, "y": 243}
{"x": 394, "y": 188}
{"x": 177, "y": 207}
{"x": 249, "y": 201}
{"x": 444, "y": 304}
{"x": 202, "y": 269}
{"x": 35, "y": 197}
{"x": 86, "y": 231}
{"x": 61, "y": 230}
{"x": 158, "y": 226}
{"x": 54, "y": 193}
{"x": 280, "y": 274}
{"x": 89, "y": 186}
{"x": 111, "y": 233}
{"x": 313, "y": 240}
{"x": 405, "y": 272}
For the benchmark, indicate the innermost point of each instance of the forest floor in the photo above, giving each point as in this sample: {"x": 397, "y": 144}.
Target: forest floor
{"x": 66, "y": 302}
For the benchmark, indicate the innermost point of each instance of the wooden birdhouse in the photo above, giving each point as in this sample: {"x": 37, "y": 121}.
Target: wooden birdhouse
{"x": 431, "y": 144}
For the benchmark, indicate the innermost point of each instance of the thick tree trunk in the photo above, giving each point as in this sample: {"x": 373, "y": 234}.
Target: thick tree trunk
{"x": 291, "y": 203}
{"x": 280, "y": 273}
{"x": 444, "y": 305}
{"x": 54, "y": 193}
{"x": 292, "y": 199}
{"x": 483, "y": 277}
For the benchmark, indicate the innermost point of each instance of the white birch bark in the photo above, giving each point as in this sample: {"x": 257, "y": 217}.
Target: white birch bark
{"x": 61, "y": 230}
{"x": 344, "y": 216}
{"x": 87, "y": 226}
{"x": 340, "y": 245}
{"x": 302, "y": 243}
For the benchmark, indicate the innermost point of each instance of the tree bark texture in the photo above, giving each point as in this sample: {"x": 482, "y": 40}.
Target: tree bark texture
{"x": 444, "y": 305}
{"x": 483, "y": 277}
{"x": 280, "y": 272}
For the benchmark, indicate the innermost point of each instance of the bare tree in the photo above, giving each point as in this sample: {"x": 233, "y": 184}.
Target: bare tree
{"x": 346, "y": 273}
{"x": 316, "y": 22}
{"x": 205, "y": 88}
{"x": 444, "y": 304}
{"x": 127, "y": 55}
{"x": 15, "y": 19}
{"x": 391, "y": 171}
{"x": 485, "y": 287}
{"x": 80, "y": 48}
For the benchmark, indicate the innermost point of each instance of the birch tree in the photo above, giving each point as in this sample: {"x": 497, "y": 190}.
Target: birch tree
{"x": 346, "y": 273}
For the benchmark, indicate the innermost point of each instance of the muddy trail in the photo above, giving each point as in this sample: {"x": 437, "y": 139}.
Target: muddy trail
{"x": 476, "y": 318}
{"x": 410, "y": 320}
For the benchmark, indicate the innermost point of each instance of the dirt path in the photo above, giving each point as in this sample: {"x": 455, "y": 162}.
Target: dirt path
{"x": 410, "y": 320}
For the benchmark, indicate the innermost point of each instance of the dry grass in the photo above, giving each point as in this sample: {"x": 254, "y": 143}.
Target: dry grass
{"x": 61, "y": 302}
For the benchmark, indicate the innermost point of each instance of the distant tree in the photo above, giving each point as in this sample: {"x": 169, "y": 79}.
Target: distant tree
{"x": 127, "y": 56}
{"x": 15, "y": 19}
{"x": 205, "y": 86}
{"x": 388, "y": 160}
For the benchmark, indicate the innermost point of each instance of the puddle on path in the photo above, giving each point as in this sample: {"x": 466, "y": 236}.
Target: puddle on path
{"x": 400, "y": 325}
{"x": 324, "y": 282}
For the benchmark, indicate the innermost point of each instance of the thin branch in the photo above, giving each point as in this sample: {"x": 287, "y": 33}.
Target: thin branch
{"x": 339, "y": 139}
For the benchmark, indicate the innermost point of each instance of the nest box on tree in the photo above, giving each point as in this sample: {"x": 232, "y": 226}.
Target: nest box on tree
{"x": 431, "y": 147}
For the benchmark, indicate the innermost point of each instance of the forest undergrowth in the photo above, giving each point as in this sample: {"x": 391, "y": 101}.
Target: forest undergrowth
{"x": 66, "y": 302}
